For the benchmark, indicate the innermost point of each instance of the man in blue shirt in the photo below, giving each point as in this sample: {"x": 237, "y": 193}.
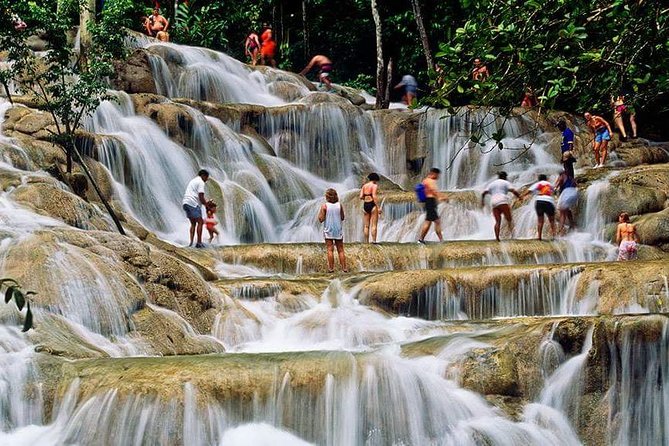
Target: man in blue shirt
{"x": 567, "y": 148}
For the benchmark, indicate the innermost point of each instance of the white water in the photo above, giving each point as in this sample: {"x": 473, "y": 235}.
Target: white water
{"x": 374, "y": 394}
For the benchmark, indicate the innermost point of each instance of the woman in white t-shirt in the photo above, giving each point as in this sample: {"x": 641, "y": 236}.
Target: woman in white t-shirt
{"x": 544, "y": 203}
{"x": 499, "y": 201}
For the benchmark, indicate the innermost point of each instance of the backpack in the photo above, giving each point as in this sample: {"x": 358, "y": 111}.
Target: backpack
{"x": 420, "y": 192}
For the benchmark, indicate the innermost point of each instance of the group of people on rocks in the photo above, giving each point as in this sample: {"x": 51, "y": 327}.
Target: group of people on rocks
{"x": 156, "y": 26}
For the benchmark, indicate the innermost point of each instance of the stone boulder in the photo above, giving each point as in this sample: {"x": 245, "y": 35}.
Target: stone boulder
{"x": 134, "y": 75}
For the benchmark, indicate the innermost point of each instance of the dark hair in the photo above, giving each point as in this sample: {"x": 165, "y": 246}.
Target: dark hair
{"x": 203, "y": 172}
{"x": 561, "y": 125}
{"x": 625, "y": 216}
{"x": 373, "y": 176}
{"x": 502, "y": 175}
{"x": 543, "y": 177}
{"x": 331, "y": 196}
{"x": 435, "y": 170}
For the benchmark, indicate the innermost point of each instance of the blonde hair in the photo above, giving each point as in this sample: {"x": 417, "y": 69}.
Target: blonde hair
{"x": 331, "y": 196}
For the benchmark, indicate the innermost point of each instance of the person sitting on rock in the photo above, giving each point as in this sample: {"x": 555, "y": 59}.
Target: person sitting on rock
{"x": 626, "y": 238}
{"x": 325, "y": 66}
{"x": 331, "y": 215}
{"x": 157, "y": 26}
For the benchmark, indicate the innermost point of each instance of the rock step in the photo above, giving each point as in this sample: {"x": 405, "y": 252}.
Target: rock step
{"x": 309, "y": 258}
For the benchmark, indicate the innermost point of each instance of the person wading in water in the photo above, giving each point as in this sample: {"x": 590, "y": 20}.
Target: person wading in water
{"x": 370, "y": 206}
{"x": 191, "y": 203}
{"x": 499, "y": 200}
{"x": 325, "y": 66}
{"x": 432, "y": 198}
{"x": 331, "y": 215}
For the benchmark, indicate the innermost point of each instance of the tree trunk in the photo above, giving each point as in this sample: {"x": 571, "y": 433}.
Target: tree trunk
{"x": 380, "y": 75}
{"x": 423, "y": 34}
{"x": 305, "y": 30}
{"x": 86, "y": 14}
{"x": 389, "y": 82}
{"x": 72, "y": 148}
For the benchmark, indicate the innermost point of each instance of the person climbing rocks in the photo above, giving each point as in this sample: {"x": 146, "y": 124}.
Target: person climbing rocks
{"x": 567, "y": 201}
{"x": 432, "y": 198}
{"x": 602, "y": 130}
{"x": 324, "y": 65}
{"x": 267, "y": 47}
{"x": 544, "y": 204}
{"x": 191, "y": 203}
{"x": 156, "y": 26}
{"x": 331, "y": 215}
{"x": 567, "y": 148}
{"x": 626, "y": 238}
{"x": 370, "y": 206}
{"x": 499, "y": 201}
{"x": 480, "y": 71}
{"x": 252, "y": 47}
{"x": 410, "y": 88}
{"x": 620, "y": 109}
{"x": 211, "y": 221}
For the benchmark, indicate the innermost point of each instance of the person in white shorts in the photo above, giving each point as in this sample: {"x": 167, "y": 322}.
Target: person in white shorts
{"x": 499, "y": 200}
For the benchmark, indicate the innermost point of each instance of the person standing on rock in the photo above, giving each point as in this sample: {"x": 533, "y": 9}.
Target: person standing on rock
{"x": 410, "y": 88}
{"x": 499, "y": 200}
{"x": 566, "y": 185}
{"x": 324, "y": 65}
{"x": 603, "y": 132}
{"x": 251, "y": 47}
{"x": 370, "y": 205}
{"x": 544, "y": 204}
{"x": 331, "y": 215}
{"x": 268, "y": 47}
{"x": 567, "y": 148}
{"x": 627, "y": 238}
{"x": 432, "y": 198}
{"x": 192, "y": 202}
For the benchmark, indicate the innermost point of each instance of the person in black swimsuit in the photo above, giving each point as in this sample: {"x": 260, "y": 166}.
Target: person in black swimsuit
{"x": 370, "y": 205}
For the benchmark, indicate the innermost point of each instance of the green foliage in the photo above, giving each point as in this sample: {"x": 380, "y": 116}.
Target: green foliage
{"x": 362, "y": 82}
{"x": 67, "y": 84}
{"x": 201, "y": 24}
{"x": 12, "y": 290}
{"x": 575, "y": 54}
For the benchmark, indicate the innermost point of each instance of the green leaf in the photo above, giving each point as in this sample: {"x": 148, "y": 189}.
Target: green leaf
{"x": 28, "y": 322}
{"x": 460, "y": 89}
{"x": 19, "y": 298}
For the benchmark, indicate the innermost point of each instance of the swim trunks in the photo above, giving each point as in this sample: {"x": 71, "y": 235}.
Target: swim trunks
{"x": 544, "y": 208}
{"x": 602, "y": 134}
{"x": 628, "y": 250}
{"x": 431, "y": 213}
{"x": 192, "y": 212}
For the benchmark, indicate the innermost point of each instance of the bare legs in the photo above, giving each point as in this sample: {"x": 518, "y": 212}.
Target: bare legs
{"x": 540, "y": 225}
{"x": 497, "y": 212}
{"x": 195, "y": 225}
{"x": 603, "y": 152}
{"x": 595, "y": 148}
{"x": 633, "y": 124}
{"x": 426, "y": 227}
{"x": 326, "y": 80}
{"x": 618, "y": 118}
{"x": 371, "y": 220}
{"x": 566, "y": 215}
{"x": 212, "y": 233}
{"x": 330, "y": 245}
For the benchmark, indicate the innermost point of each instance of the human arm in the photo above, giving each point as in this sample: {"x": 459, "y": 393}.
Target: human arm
{"x": 341, "y": 211}
{"x": 636, "y": 235}
{"x": 619, "y": 235}
{"x": 485, "y": 192}
{"x": 166, "y": 23}
{"x": 147, "y": 25}
{"x": 307, "y": 68}
{"x": 516, "y": 193}
{"x": 375, "y": 198}
{"x": 321, "y": 213}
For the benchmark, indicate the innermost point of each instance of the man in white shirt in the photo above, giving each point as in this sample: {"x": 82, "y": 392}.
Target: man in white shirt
{"x": 499, "y": 201}
{"x": 193, "y": 198}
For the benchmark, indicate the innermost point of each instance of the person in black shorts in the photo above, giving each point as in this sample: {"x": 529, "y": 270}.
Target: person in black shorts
{"x": 432, "y": 199}
{"x": 544, "y": 204}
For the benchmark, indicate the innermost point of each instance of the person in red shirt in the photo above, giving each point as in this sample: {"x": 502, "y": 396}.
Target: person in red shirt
{"x": 268, "y": 47}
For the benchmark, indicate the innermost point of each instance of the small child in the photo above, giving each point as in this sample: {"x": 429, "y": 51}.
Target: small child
{"x": 332, "y": 215}
{"x": 211, "y": 221}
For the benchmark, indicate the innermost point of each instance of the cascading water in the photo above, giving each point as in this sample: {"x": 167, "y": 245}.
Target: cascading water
{"x": 311, "y": 365}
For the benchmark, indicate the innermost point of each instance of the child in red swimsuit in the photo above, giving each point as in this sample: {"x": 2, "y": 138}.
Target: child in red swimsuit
{"x": 211, "y": 221}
